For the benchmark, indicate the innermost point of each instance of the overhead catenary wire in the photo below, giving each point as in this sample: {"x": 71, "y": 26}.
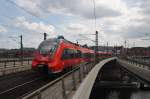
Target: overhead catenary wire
{"x": 12, "y": 26}
{"x": 87, "y": 38}
{"x": 39, "y": 18}
{"x": 22, "y": 8}
{"x": 94, "y": 8}
{"x": 32, "y": 14}
{"x": 28, "y": 12}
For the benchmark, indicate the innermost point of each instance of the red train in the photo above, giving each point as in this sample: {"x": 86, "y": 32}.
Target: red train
{"x": 54, "y": 55}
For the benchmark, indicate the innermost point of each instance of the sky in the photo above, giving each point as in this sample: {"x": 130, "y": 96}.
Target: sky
{"x": 116, "y": 21}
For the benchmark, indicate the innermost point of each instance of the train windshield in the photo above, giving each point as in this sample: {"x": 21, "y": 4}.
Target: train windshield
{"x": 48, "y": 46}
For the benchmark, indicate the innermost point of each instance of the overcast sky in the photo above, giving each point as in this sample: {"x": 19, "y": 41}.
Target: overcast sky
{"x": 117, "y": 21}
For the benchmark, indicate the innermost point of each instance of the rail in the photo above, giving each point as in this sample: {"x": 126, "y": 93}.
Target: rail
{"x": 62, "y": 87}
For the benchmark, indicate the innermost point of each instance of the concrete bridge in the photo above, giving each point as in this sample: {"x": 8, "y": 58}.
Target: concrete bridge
{"x": 108, "y": 77}
{"x": 113, "y": 74}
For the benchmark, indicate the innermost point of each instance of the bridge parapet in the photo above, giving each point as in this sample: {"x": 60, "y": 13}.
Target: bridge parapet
{"x": 139, "y": 60}
{"x": 85, "y": 88}
{"x": 140, "y": 70}
{"x": 137, "y": 63}
{"x": 62, "y": 87}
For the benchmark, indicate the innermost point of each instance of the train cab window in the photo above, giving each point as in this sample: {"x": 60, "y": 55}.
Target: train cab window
{"x": 48, "y": 46}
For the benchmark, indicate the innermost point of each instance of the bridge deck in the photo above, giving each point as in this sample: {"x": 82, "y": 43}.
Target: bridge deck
{"x": 91, "y": 82}
{"x": 138, "y": 71}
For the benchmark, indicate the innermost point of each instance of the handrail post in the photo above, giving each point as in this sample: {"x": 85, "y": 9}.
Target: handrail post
{"x": 4, "y": 64}
{"x": 86, "y": 72}
{"x": 14, "y": 63}
{"x": 21, "y": 62}
{"x": 91, "y": 66}
{"x": 83, "y": 71}
{"x": 88, "y": 68}
{"x": 39, "y": 95}
{"x": 74, "y": 83}
{"x": 63, "y": 89}
{"x": 80, "y": 74}
{"x": 28, "y": 61}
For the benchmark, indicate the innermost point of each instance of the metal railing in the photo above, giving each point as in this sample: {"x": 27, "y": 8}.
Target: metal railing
{"x": 12, "y": 66}
{"x": 139, "y": 71}
{"x": 62, "y": 87}
{"x": 14, "y": 63}
{"x": 138, "y": 63}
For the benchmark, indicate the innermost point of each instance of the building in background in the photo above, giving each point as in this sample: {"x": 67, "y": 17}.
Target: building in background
{"x": 139, "y": 51}
{"x": 121, "y": 51}
{"x": 16, "y": 53}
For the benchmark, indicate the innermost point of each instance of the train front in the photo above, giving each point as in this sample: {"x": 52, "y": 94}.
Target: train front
{"x": 44, "y": 55}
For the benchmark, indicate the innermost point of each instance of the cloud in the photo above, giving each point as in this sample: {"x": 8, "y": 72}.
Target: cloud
{"x": 2, "y": 29}
{"x": 117, "y": 20}
{"x": 129, "y": 26}
{"x": 138, "y": 31}
{"x": 33, "y": 26}
{"x": 145, "y": 6}
{"x": 138, "y": 22}
{"x": 81, "y": 8}
{"x": 30, "y": 6}
{"x": 75, "y": 28}
{"x": 32, "y": 31}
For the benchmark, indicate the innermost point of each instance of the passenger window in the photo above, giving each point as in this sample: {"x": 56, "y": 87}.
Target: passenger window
{"x": 65, "y": 54}
{"x": 70, "y": 54}
{"x": 79, "y": 54}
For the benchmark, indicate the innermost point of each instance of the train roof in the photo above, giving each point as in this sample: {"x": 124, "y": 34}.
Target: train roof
{"x": 79, "y": 47}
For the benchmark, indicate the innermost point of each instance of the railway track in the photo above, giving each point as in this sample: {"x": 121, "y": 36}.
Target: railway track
{"x": 15, "y": 86}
